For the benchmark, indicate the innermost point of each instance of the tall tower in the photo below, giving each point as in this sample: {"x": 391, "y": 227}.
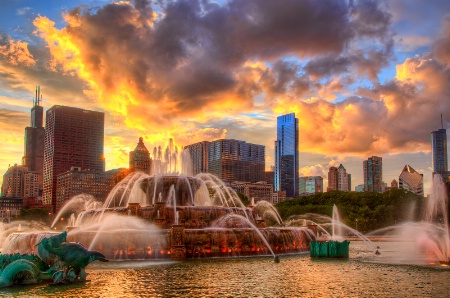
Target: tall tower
{"x": 286, "y": 155}
{"x": 73, "y": 138}
{"x": 439, "y": 150}
{"x": 140, "y": 158}
{"x": 373, "y": 174}
{"x": 33, "y": 157}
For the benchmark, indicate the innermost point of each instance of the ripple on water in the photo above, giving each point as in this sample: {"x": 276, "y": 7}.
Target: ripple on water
{"x": 294, "y": 276}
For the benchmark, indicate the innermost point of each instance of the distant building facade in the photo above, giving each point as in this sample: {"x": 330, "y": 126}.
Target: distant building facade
{"x": 373, "y": 174}
{"x": 77, "y": 181}
{"x": 359, "y": 188}
{"x": 10, "y": 208}
{"x": 19, "y": 182}
{"x": 199, "y": 155}
{"x": 394, "y": 184}
{"x": 269, "y": 176}
{"x": 411, "y": 180}
{"x": 287, "y": 155}
{"x": 310, "y": 185}
{"x": 278, "y": 197}
{"x": 339, "y": 179}
{"x": 140, "y": 158}
{"x": 73, "y": 138}
{"x": 230, "y": 160}
{"x": 259, "y": 191}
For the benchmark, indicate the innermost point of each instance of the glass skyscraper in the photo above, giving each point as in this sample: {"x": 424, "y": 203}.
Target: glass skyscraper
{"x": 439, "y": 151}
{"x": 286, "y": 155}
{"x": 373, "y": 174}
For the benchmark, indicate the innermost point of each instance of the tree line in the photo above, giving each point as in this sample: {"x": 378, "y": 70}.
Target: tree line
{"x": 367, "y": 210}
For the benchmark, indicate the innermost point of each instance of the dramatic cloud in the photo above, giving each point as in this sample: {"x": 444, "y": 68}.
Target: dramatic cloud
{"x": 199, "y": 70}
{"x": 195, "y": 60}
{"x": 16, "y": 52}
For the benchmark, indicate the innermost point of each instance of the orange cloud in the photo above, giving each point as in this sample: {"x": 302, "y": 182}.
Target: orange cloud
{"x": 16, "y": 52}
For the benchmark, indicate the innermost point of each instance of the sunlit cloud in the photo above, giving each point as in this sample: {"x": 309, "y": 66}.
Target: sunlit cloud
{"x": 16, "y": 52}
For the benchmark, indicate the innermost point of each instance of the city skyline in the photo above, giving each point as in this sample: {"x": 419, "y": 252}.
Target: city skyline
{"x": 353, "y": 100}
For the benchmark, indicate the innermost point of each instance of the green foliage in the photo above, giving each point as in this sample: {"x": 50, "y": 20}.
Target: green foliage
{"x": 371, "y": 210}
{"x": 244, "y": 199}
{"x": 37, "y": 214}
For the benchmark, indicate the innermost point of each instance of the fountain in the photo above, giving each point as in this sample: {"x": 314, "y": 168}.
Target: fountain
{"x": 336, "y": 246}
{"x": 178, "y": 217}
{"x": 429, "y": 238}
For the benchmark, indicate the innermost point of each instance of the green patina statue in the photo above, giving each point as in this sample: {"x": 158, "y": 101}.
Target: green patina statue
{"x": 74, "y": 256}
{"x": 23, "y": 272}
{"x": 58, "y": 260}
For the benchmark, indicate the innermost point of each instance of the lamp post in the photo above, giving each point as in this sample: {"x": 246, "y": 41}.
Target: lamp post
{"x": 356, "y": 220}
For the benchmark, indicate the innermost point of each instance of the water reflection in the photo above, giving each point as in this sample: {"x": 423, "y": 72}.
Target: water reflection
{"x": 363, "y": 275}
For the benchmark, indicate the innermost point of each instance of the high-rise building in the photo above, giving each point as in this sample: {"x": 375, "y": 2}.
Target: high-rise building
{"x": 73, "y": 138}
{"x": 339, "y": 179}
{"x": 310, "y": 185}
{"x": 411, "y": 180}
{"x": 228, "y": 159}
{"x": 373, "y": 174}
{"x": 234, "y": 160}
{"x": 439, "y": 151}
{"x": 440, "y": 156}
{"x": 198, "y": 154}
{"x": 33, "y": 157}
{"x": 19, "y": 182}
{"x": 286, "y": 155}
{"x": 332, "y": 178}
{"x": 140, "y": 158}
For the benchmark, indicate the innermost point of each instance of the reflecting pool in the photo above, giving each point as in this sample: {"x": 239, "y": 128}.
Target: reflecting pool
{"x": 363, "y": 275}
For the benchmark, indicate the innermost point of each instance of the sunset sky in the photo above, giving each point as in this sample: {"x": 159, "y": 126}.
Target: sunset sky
{"x": 364, "y": 77}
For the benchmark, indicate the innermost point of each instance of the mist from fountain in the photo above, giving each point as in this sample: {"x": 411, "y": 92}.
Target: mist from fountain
{"x": 431, "y": 235}
{"x": 266, "y": 210}
{"x": 331, "y": 228}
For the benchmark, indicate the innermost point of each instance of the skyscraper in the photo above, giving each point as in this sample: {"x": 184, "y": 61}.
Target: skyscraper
{"x": 198, "y": 154}
{"x": 411, "y": 180}
{"x": 228, "y": 159}
{"x": 33, "y": 157}
{"x": 332, "y": 178}
{"x": 439, "y": 150}
{"x": 286, "y": 155}
{"x": 140, "y": 158}
{"x": 73, "y": 138}
{"x": 373, "y": 174}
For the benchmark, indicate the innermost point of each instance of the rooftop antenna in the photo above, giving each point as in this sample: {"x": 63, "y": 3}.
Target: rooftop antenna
{"x": 40, "y": 96}
{"x": 35, "y": 101}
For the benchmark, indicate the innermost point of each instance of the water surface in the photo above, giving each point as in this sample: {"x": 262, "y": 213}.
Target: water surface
{"x": 363, "y": 275}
